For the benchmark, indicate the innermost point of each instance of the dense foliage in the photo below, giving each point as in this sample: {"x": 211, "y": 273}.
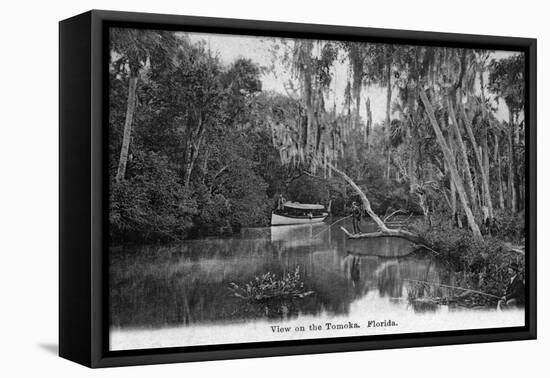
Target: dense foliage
{"x": 199, "y": 160}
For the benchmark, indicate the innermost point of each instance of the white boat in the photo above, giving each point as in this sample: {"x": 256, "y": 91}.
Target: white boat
{"x": 298, "y": 213}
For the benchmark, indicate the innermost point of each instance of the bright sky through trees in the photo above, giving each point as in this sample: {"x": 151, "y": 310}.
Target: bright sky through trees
{"x": 261, "y": 49}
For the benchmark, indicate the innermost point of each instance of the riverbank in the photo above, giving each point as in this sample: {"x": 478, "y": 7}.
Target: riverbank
{"x": 480, "y": 265}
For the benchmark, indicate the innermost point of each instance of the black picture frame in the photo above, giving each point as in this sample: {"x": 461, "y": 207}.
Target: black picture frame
{"x": 83, "y": 276}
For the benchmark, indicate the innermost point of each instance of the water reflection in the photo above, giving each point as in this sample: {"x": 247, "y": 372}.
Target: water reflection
{"x": 187, "y": 283}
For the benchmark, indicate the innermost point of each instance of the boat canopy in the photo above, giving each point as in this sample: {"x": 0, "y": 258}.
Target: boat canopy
{"x": 303, "y": 206}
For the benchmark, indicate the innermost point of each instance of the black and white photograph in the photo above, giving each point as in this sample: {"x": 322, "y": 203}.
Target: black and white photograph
{"x": 265, "y": 188}
{"x": 245, "y": 189}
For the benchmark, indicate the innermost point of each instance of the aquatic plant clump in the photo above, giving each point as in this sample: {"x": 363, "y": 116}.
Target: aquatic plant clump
{"x": 269, "y": 286}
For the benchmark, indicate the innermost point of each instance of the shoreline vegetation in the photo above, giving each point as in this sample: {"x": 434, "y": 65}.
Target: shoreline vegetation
{"x": 198, "y": 147}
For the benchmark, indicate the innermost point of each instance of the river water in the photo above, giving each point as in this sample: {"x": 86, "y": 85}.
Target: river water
{"x": 178, "y": 295}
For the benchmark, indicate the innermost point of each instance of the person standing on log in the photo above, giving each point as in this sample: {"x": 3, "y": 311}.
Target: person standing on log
{"x": 281, "y": 202}
{"x": 355, "y": 217}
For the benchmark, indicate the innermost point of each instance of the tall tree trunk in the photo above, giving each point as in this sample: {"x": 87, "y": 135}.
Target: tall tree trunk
{"x": 355, "y": 56}
{"x": 463, "y": 155}
{"x": 194, "y": 156}
{"x": 452, "y": 167}
{"x": 484, "y": 134}
{"x": 499, "y": 174}
{"x": 517, "y": 166}
{"x": 309, "y": 111}
{"x": 127, "y": 133}
{"x": 511, "y": 163}
{"x": 319, "y": 106}
{"x": 194, "y": 146}
{"x": 304, "y": 67}
{"x": 413, "y": 181}
{"x": 388, "y": 112}
{"x": 357, "y": 117}
{"x": 485, "y": 157}
{"x": 412, "y": 171}
{"x": 483, "y": 169}
{"x": 456, "y": 219}
{"x": 454, "y": 212}
{"x": 487, "y": 169}
{"x": 205, "y": 164}
{"x": 484, "y": 145}
{"x": 368, "y": 124}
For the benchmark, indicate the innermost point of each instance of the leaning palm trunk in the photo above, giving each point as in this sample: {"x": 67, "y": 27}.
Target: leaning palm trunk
{"x": 482, "y": 168}
{"x": 452, "y": 166}
{"x": 464, "y": 157}
{"x": 130, "y": 110}
{"x": 454, "y": 214}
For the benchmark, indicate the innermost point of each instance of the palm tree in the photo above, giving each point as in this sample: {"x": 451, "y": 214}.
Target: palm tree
{"x": 449, "y": 158}
{"x": 451, "y": 66}
{"x": 506, "y": 80}
{"x": 132, "y": 49}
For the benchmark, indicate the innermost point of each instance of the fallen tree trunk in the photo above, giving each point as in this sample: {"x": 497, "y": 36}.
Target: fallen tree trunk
{"x": 364, "y": 199}
{"x": 384, "y": 230}
{"x": 397, "y": 233}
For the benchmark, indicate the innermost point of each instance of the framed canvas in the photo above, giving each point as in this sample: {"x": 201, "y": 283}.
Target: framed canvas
{"x": 234, "y": 188}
